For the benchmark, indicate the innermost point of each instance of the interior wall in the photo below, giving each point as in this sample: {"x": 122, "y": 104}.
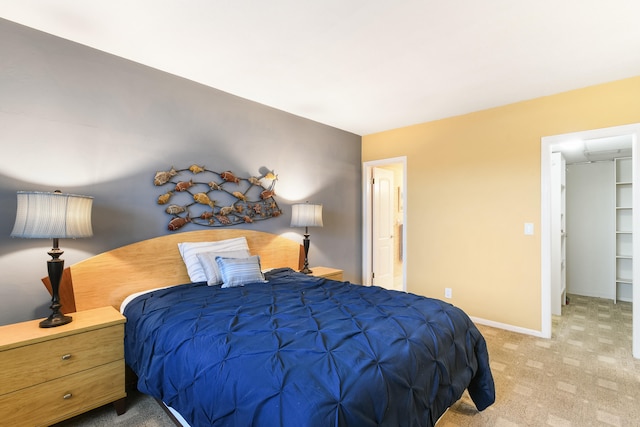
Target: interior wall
{"x": 474, "y": 180}
{"x": 590, "y": 221}
{"x": 82, "y": 121}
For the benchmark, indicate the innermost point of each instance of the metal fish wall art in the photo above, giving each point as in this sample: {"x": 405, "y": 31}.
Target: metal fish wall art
{"x": 184, "y": 185}
{"x": 229, "y": 177}
{"x": 196, "y": 169}
{"x": 177, "y": 223}
{"x": 204, "y": 199}
{"x": 163, "y": 177}
{"x": 175, "y": 209}
{"x": 165, "y": 197}
{"x": 200, "y": 196}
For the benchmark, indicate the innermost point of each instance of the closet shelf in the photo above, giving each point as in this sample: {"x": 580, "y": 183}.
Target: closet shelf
{"x": 624, "y": 224}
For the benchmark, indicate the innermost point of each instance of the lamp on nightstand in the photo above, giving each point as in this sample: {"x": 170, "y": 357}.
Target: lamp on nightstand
{"x": 306, "y": 215}
{"x": 54, "y": 216}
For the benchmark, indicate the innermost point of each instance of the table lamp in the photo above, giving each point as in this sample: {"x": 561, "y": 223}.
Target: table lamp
{"x": 42, "y": 215}
{"x": 306, "y": 215}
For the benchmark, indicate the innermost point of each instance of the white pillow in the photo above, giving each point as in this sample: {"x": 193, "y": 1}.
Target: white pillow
{"x": 210, "y": 267}
{"x": 189, "y": 251}
{"x": 240, "y": 271}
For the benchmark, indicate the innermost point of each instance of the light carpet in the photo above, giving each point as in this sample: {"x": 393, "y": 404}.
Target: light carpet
{"x": 583, "y": 376}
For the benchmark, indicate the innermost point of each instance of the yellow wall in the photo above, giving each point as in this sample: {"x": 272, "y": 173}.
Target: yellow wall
{"x": 474, "y": 180}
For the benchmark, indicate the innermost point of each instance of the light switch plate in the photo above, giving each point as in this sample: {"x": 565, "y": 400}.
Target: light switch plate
{"x": 528, "y": 228}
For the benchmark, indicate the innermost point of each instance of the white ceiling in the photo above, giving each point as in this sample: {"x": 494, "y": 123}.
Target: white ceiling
{"x": 361, "y": 65}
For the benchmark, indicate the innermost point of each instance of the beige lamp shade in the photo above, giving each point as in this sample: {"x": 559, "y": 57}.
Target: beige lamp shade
{"x": 306, "y": 215}
{"x": 52, "y": 215}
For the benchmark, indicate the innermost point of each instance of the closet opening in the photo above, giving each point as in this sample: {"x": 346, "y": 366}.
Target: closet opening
{"x": 589, "y": 195}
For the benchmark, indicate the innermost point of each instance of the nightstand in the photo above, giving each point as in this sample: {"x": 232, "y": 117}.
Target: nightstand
{"x": 51, "y": 374}
{"x": 327, "y": 273}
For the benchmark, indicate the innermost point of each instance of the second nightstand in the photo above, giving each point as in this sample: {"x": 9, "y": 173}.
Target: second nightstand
{"x": 327, "y": 273}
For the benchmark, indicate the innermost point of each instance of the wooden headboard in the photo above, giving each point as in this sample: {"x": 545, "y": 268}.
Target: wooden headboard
{"x": 108, "y": 278}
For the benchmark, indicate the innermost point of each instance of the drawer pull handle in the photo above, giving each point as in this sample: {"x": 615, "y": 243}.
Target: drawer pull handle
{"x": 66, "y": 357}
{"x": 67, "y": 396}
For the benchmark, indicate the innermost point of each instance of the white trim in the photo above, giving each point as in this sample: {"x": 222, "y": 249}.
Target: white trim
{"x": 545, "y": 238}
{"x": 367, "y": 221}
{"x": 545, "y": 221}
{"x": 507, "y": 327}
{"x": 635, "y": 314}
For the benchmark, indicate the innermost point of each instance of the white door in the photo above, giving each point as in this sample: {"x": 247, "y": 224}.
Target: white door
{"x": 558, "y": 236}
{"x": 383, "y": 221}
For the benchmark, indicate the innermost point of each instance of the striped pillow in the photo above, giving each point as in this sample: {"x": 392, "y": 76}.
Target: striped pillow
{"x": 210, "y": 266}
{"x": 240, "y": 271}
{"x": 189, "y": 251}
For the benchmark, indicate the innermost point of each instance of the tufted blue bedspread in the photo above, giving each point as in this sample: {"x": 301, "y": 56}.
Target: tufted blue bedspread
{"x": 304, "y": 351}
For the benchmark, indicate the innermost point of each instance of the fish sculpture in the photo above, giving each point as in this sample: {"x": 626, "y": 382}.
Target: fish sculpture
{"x": 247, "y": 219}
{"x": 271, "y": 176}
{"x": 253, "y": 180}
{"x": 229, "y": 177}
{"x": 223, "y": 219}
{"x": 215, "y": 186}
{"x": 184, "y": 185}
{"x": 175, "y": 209}
{"x": 239, "y": 195}
{"x": 164, "y": 198}
{"x": 163, "y": 177}
{"x": 178, "y": 222}
{"x": 195, "y": 169}
{"x": 203, "y": 199}
{"x": 206, "y": 215}
{"x": 266, "y": 194}
{"x": 226, "y": 210}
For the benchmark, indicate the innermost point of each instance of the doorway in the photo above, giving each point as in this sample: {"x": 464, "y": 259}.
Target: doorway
{"x": 578, "y": 139}
{"x": 384, "y": 223}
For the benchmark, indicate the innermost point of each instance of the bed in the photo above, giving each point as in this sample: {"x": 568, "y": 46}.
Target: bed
{"x": 276, "y": 347}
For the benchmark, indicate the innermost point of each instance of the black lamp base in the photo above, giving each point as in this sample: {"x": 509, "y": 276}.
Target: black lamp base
{"x": 55, "y": 319}
{"x": 55, "y": 267}
{"x": 305, "y": 267}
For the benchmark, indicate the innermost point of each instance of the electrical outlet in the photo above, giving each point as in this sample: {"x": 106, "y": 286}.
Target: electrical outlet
{"x": 447, "y": 292}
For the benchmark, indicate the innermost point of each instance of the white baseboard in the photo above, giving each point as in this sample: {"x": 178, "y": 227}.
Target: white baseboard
{"x": 507, "y": 327}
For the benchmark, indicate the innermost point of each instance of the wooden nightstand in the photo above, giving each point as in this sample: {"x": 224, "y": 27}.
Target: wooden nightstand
{"x": 327, "y": 273}
{"x": 51, "y": 374}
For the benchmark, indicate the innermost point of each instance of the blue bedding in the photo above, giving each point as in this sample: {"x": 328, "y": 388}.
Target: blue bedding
{"x": 304, "y": 351}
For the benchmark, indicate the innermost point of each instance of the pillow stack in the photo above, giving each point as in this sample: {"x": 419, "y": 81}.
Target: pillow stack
{"x": 225, "y": 262}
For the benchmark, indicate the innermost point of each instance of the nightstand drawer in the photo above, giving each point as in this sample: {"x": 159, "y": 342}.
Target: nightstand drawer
{"x": 56, "y": 400}
{"x": 37, "y": 363}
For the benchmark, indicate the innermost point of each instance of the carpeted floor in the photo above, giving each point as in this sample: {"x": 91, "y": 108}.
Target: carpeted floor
{"x": 142, "y": 411}
{"x": 583, "y": 376}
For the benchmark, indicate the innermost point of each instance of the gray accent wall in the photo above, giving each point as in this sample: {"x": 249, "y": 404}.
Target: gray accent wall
{"x": 83, "y": 121}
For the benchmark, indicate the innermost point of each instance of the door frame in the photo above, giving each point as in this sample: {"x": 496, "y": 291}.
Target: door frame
{"x": 367, "y": 222}
{"x": 547, "y": 144}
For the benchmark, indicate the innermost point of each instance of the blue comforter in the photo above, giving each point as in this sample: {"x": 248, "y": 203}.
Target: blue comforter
{"x": 304, "y": 351}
